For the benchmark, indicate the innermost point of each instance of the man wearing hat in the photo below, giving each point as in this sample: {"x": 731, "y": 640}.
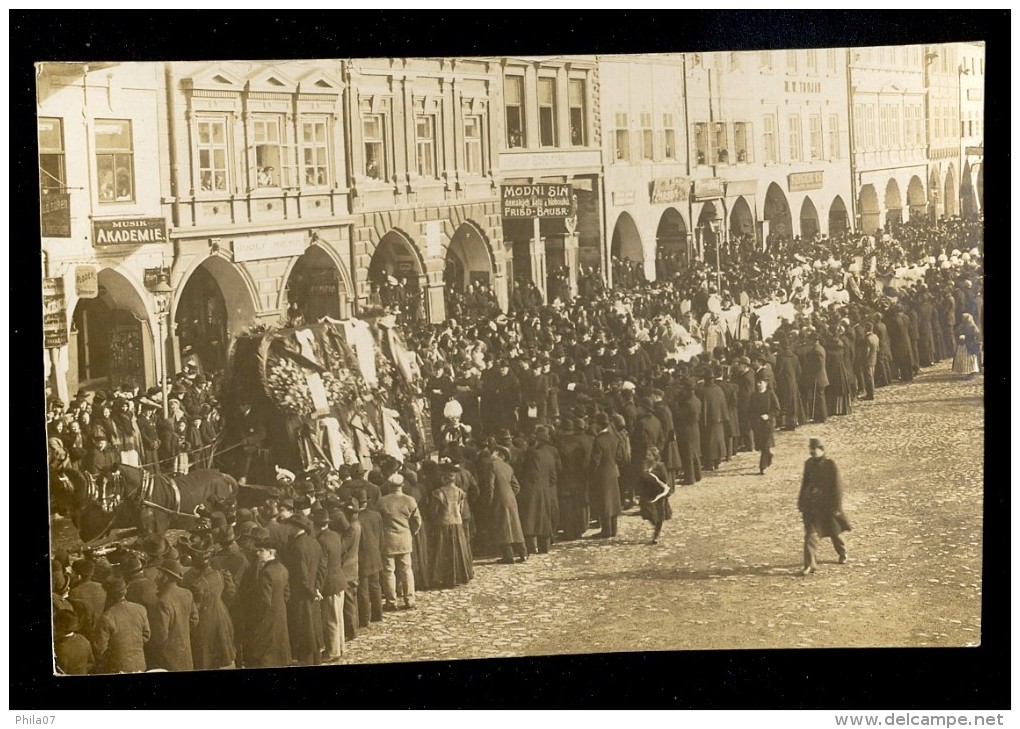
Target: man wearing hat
{"x": 538, "y": 499}
{"x": 122, "y": 633}
{"x": 266, "y": 637}
{"x": 763, "y": 411}
{"x": 714, "y": 419}
{"x": 607, "y": 456}
{"x": 175, "y": 616}
{"x": 575, "y": 446}
{"x": 86, "y": 596}
{"x": 821, "y": 505}
{"x": 401, "y": 520}
{"x": 501, "y": 485}
{"x": 359, "y": 488}
{"x": 333, "y": 586}
{"x": 72, "y": 651}
{"x": 306, "y": 565}
{"x": 230, "y": 559}
{"x": 371, "y": 557}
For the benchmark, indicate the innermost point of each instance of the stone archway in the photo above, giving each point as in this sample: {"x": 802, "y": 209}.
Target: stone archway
{"x": 671, "y": 249}
{"x": 915, "y": 198}
{"x": 110, "y": 343}
{"x": 212, "y": 307}
{"x": 893, "y": 204}
{"x": 839, "y": 222}
{"x": 468, "y": 259}
{"x": 776, "y": 210}
{"x": 935, "y": 201}
{"x": 968, "y": 198}
{"x": 710, "y": 222}
{"x": 869, "y": 210}
{"x": 627, "y": 240}
{"x": 951, "y": 203}
{"x": 317, "y": 286}
{"x": 809, "y": 226}
{"x": 396, "y": 273}
{"x": 741, "y": 218}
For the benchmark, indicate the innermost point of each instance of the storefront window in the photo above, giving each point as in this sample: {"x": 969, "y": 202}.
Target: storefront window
{"x": 115, "y": 160}
{"x": 473, "y": 144}
{"x": 742, "y": 142}
{"x": 578, "y": 124}
{"x": 514, "y": 94}
{"x": 51, "y": 155}
{"x": 425, "y": 143}
{"x": 701, "y": 143}
{"x": 212, "y": 154}
{"x": 375, "y": 146}
{"x": 315, "y": 157}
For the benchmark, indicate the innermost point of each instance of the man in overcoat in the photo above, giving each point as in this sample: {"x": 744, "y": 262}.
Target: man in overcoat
{"x": 505, "y": 531}
{"x": 333, "y": 587}
{"x": 175, "y": 615}
{"x": 370, "y": 561}
{"x": 821, "y": 505}
{"x": 687, "y": 419}
{"x": 267, "y": 638}
{"x": 122, "y": 633}
{"x": 715, "y": 415}
{"x": 306, "y": 565}
{"x": 575, "y": 447}
{"x": 604, "y": 476}
{"x": 538, "y": 499}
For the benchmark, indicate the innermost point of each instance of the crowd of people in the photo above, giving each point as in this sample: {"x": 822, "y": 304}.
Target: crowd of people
{"x": 549, "y": 421}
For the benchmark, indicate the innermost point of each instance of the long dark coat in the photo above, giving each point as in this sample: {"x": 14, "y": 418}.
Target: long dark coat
{"x": 537, "y": 500}
{"x": 715, "y": 413}
{"x": 821, "y": 497}
{"x": 306, "y": 565}
{"x": 899, "y": 339}
{"x": 670, "y": 452}
{"x": 176, "y": 616}
{"x": 370, "y": 550}
{"x": 267, "y": 638}
{"x": 764, "y": 403}
{"x": 926, "y": 333}
{"x": 333, "y": 553}
{"x": 575, "y": 450}
{"x": 687, "y": 412}
{"x": 504, "y": 518}
{"x": 604, "y": 475}
{"x": 788, "y": 387}
{"x": 212, "y": 640}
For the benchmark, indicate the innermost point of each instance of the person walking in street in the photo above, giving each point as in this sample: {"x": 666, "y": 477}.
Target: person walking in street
{"x": 687, "y": 417}
{"x": 821, "y": 506}
{"x": 401, "y": 520}
{"x": 653, "y": 492}
{"x": 764, "y": 411}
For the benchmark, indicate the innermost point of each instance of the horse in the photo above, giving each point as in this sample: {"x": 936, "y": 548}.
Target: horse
{"x": 152, "y": 503}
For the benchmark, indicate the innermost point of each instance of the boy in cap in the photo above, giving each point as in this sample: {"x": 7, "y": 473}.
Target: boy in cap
{"x": 401, "y": 520}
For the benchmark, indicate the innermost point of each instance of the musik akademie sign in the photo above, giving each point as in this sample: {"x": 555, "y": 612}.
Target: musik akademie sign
{"x": 126, "y": 231}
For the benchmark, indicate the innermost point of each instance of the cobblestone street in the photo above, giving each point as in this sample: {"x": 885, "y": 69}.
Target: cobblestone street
{"x": 725, "y": 573}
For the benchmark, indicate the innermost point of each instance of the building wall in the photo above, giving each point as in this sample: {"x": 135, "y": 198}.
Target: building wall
{"x": 942, "y": 76}
{"x": 645, "y": 152}
{"x": 972, "y": 117}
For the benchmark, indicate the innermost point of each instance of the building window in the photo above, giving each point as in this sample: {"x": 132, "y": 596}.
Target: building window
{"x": 51, "y": 156}
{"x": 908, "y": 126}
{"x": 212, "y": 154}
{"x": 547, "y": 112}
{"x": 473, "y": 144}
{"x": 374, "y": 135}
{"x": 270, "y": 153}
{"x": 869, "y": 126}
{"x": 115, "y": 160}
{"x": 768, "y": 139}
{"x": 743, "y": 142}
{"x": 944, "y": 55}
{"x": 791, "y": 60}
{"x": 720, "y": 144}
{"x": 830, "y": 59}
{"x": 765, "y": 60}
{"x": 812, "y": 60}
{"x": 668, "y": 137}
{"x": 425, "y": 144}
{"x": 834, "y": 136}
{"x": 894, "y": 127}
{"x": 621, "y": 136}
{"x": 647, "y": 137}
{"x": 794, "y": 138}
{"x": 938, "y": 124}
{"x": 514, "y": 111}
{"x": 701, "y": 143}
{"x": 315, "y": 153}
{"x": 815, "y": 132}
{"x": 578, "y": 124}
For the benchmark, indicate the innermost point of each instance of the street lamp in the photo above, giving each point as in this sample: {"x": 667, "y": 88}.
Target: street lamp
{"x": 716, "y": 225}
{"x": 163, "y": 293}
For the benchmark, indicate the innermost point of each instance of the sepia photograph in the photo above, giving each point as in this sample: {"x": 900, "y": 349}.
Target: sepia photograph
{"x": 375, "y": 360}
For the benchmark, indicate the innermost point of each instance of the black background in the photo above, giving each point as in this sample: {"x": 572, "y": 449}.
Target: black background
{"x": 976, "y": 678}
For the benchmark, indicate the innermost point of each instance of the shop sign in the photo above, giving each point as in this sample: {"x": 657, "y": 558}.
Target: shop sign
{"x": 973, "y": 94}
{"x": 624, "y": 197}
{"x": 741, "y": 187}
{"x": 275, "y": 245}
{"x": 128, "y": 231}
{"x": 801, "y": 181}
{"x": 54, "y": 313}
{"x": 976, "y": 151}
{"x": 539, "y": 200}
{"x": 671, "y": 189}
{"x": 707, "y": 188}
{"x": 86, "y": 282}
{"x": 55, "y": 215}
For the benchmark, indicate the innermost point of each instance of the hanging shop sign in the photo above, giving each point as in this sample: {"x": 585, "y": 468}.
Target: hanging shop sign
{"x": 54, "y": 313}
{"x": 86, "y": 282}
{"x": 55, "y": 215}
{"x": 671, "y": 189}
{"x": 708, "y": 188}
{"x": 539, "y": 200}
{"x": 801, "y": 181}
{"x": 127, "y": 231}
{"x": 275, "y": 245}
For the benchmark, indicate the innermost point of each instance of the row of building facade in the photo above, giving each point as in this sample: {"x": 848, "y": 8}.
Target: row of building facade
{"x": 184, "y": 202}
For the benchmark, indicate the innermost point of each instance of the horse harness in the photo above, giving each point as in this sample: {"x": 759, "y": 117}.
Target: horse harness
{"x": 148, "y": 484}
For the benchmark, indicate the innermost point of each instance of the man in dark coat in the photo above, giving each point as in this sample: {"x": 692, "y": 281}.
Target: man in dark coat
{"x": 538, "y": 500}
{"x": 122, "y": 633}
{"x": 86, "y": 596}
{"x": 333, "y": 587}
{"x": 267, "y": 592}
{"x": 306, "y": 565}
{"x": 503, "y": 398}
{"x": 575, "y": 447}
{"x": 788, "y": 375}
{"x": 175, "y": 615}
{"x": 715, "y": 414}
{"x": 72, "y": 651}
{"x": 502, "y": 488}
{"x": 370, "y": 562}
{"x": 743, "y": 375}
{"x": 884, "y": 360}
{"x": 898, "y": 325}
{"x": 764, "y": 410}
{"x": 645, "y": 433}
{"x": 687, "y": 419}
{"x": 344, "y": 520}
{"x": 732, "y": 392}
{"x": 814, "y": 381}
{"x": 821, "y": 505}
{"x": 604, "y": 476}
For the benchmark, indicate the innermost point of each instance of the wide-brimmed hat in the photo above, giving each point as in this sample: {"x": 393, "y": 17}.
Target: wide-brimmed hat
{"x": 320, "y": 516}
{"x": 223, "y": 534}
{"x": 154, "y": 545}
{"x": 66, "y": 621}
{"x": 301, "y": 522}
{"x": 173, "y": 568}
{"x": 130, "y": 565}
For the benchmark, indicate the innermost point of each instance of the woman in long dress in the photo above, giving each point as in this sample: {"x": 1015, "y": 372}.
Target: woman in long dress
{"x": 967, "y": 360}
{"x": 653, "y": 492}
{"x": 841, "y": 380}
{"x": 450, "y": 559}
